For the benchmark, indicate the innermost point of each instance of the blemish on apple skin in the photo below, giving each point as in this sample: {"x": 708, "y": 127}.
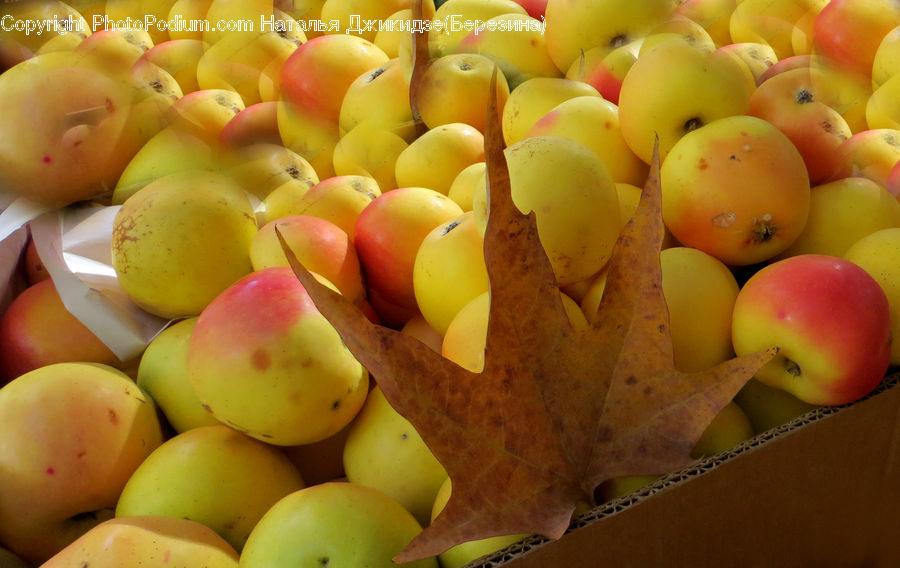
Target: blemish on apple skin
{"x": 113, "y": 417}
{"x": 51, "y": 471}
{"x": 47, "y": 159}
{"x": 261, "y": 360}
{"x": 724, "y": 220}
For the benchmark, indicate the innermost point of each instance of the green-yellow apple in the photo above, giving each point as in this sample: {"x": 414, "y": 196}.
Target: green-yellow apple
{"x": 256, "y": 124}
{"x": 713, "y": 15}
{"x": 843, "y": 211}
{"x": 36, "y": 329}
{"x": 700, "y": 292}
{"x": 75, "y": 432}
{"x": 456, "y": 88}
{"x": 147, "y": 541}
{"x": 771, "y": 23}
{"x": 435, "y": 158}
{"x": 379, "y": 98}
{"x": 464, "y": 553}
{"x": 162, "y": 374}
{"x": 877, "y": 254}
{"x": 737, "y": 189}
{"x": 515, "y": 42}
{"x": 332, "y": 524}
{"x": 388, "y": 234}
{"x": 534, "y": 98}
{"x": 369, "y": 149}
{"x": 71, "y": 138}
{"x": 464, "y": 185}
{"x": 796, "y": 102}
{"x": 700, "y": 88}
{"x": 181, "y": 240}
{"x": 886, "y": 61}
{"x": 259, "y": 168}
{"x": 677, "y": 26}
{"x": 339, "y": 199}
{"x": 768, "y": 407}
{"x": 849, "y": 32}
{"x": 317, "y": 74}
{"x": 871, "y": 154}
{"x": 604, "y": 68}
{"x": 213, "y": 475}
{"x": 574, "y": 26}
{"x": 384, "y": 451}
{"x": 594, "y": 122}
{"x": 728, "y": 428}
{"x": 322, "y": 247}
{"x": 573, "y": 197}
{"x": 179, "y": 57}
{"x": 311, "y": 135}
{"x": 880, "y": 108}
{"x": 830, "y": 321}
{"x": 756, "y": 57}
{"x": 115, "y": 48}
{"x": 205, "y": 112}
{"x": 263, "y": 360}
{"x": 459, "y": 17}
{"x": 449, "y": 270}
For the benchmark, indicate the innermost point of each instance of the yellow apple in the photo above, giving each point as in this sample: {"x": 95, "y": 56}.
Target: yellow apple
{"x": 435, "y": 158}
{"x": 534, "y": 98}
{"x": 449, "y": 270}
{"x": 259, "y": 168}
{"x": 181, "y": 240}
{"x": 604, "y": 67}
{"x": 210, "y": 474}
{"x": 333, "y": 524}
{"x": 462, "y": 189}
{"x": 677, "y": 26}
{"x": 371, "y": 150}
{"x": 359, "y": 17}
{"x": 756, "y": 57}
{"x": 147, "y": 541}
{"x": 843, "y": 211}
{"x": 458, "y": 19}
{"x": 311, "y": 135}
{"x": 205, "y": 112}
{"x": 179, "y": 57}
{"x": 768, "y": 407}
{"x": 771, "y": 23}
{"x": 185, "y": 10}
{"x": 379, "y": 98}
{"x": 881, "y": 111}
{"x": 162, "y": 374}
{"x": 730, "y": 427}
{"x": 384, "y": 451}
{"x": 74, "y": 434}
{"x": 877, "y": 254}
{"x": 886, "y": 61}
{"x": 574, "y": 200}
{"x": 418, "y": 327}
{"x": 713, "y": 15}
{"x": 872, "y": 154}
{"x": 339, "y": 199}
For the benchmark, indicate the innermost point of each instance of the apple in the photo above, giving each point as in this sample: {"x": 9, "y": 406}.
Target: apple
{"x": 209, "y": 474}
{"x": 310, "y": 135}
{"x": 574, "y": 200}
{"x": 379, "y": 99}
{"x": 264, "y": 361}
{"x": 322, "y": 247}
{"x": 713, "y": 15}
{"x": 843, "y": 211}
{"x": 849, "y": 32}
{"x": 317, "y": 74}
{"x": 729, "y": 428}
{"x": 184, "y": 9}
{"x": 756, "y": 57}
{"x": 449, "y": 270}
{"x": 435, "y": 158}
{"x": 872, "y": 154}
{"x": 394, "y": 37}
{"x": 346, "y": 11}
{"x": 419, "y": 328}
{"x": 320, "y": 461}
{"x": 74, "y": 433}
{"x": 388, "y": 234}
{"x": 700, "y": 88}
{"x": 797, "y": 102}
{"x": 115, "y": 49}
{"x": 769, "y": 407}
{"x": 256, "y": 124}
{"x": 369, "y": 149}
{"x": 37, "y": 329}
{"x": 737, "y": 189}
{"x": 534, "y": 98}
{"x": 259, "y": 168}
{"x": 205, "y": 112}
{"x": 880, "y": 108}
{"x": 680, "y": 27}
{"x": 137, "y": 541}
{"x": 455, "y": 88}
{"x": 384, "y": 451}
{"x": 462, "y": 189}
{"x": 771, "y": 23}
{"x": 179, "y": 57}
{"x": 339, "y": 199}
{"x": 333, "y": 524}
{"x": 604, "y": 68}
{"x": 162, "y": 374}
{"x": 830, "y": 321}
{"x": 458, "y": 18}
{"x": 181, "y": 240}
{"x": 876, "y": 253}
{"x": 594, "y": 122}
{"x": 886, "y": 61}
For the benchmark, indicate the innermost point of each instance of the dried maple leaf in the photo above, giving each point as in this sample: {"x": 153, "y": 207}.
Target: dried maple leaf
{"x": 555, "y": 411}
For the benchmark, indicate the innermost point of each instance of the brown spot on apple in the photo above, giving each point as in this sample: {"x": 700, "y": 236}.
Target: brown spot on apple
{"x": 113, "y": 417}
{"x": 261, "y": 360}
{"x": 47, "y": 159}
{"x": 50, "y": 470}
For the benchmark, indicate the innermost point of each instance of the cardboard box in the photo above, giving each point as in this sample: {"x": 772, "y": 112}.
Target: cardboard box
{"x": 821, "y": 491}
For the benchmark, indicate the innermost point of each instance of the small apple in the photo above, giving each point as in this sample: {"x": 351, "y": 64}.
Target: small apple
{"x": 256, "y": 124}
{"x": 435, "y": 158}
{"x": 311, "y": 135}
{"x": 388, "y": 234}
{"x": 369, "y": 149}
{"x": 179, "y": 57}
{"x": 713, "y": 15}
{"x": 339, "y": 199}
{"x": 74, "y": 433}
{"x": 464, "y": 185}
{"x": 379, "y": 98}
{"x": 534, "y": 98}
{"x": 830, "y": 321}
{"x": 848, "y": 32}
{"x": 37, "y": 329}
{"x": 604, "y": 68}
{"x": 872, "y": 154}
{"x": 264, "y": 361}
{"x": 737, "y": 189}
{"x": 771, "y": 23}
{"x": 769, "y": 407}
{"x": 209, "y": 474}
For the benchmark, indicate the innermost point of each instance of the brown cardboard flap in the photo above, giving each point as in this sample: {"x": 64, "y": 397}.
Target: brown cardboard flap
{"x": 823, "y": 490}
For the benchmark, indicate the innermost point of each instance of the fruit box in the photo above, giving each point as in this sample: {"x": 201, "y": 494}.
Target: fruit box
{"x": 822, "y": 490}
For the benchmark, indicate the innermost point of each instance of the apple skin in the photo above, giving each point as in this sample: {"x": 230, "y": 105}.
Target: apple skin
{"x": 37, "y": 330}
{"x": 179, "y": 57}
{"x": 138, "y": 541}
{"x": 335, "y": 523}
{"x": 339, "y": 199}
{"x": 317, "y": 74}
{"x": 848, "y": 32}
{"x": 871, "y": 153}
{"x": 768, "y": 407}
{"x": 265, "y": 361}
{"x": 184, "y": 478}
{"x": 830, "y": 321}
{"x": 435, "y": 158}
{"x": 534, "y": 98}
{"x": 379, "y": 98}
{"x": 604, "y": 69}
{"x": 256, "y": 124}
{"x": 737, "y": 189}
{"x": 388, "y": 233}
{"x": 75, "y": 433}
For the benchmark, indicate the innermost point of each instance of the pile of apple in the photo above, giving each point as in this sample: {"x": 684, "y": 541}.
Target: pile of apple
{"x": 245, "y": 433}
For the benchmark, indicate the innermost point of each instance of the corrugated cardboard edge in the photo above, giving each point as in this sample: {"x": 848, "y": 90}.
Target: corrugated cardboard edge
{"x": 822, "y": 490}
